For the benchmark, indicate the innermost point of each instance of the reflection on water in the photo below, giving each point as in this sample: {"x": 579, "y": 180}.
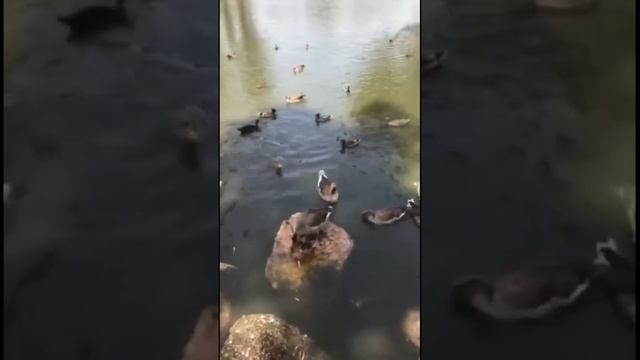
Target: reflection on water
{"x": 348, "y": 45}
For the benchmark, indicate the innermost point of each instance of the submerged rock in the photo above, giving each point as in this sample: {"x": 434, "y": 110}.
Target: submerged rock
{"x": 204, "y": 342}
{"x": 266, "y": 337}
{"x": 291, "y": 261}
{"x": 411, "y": 327}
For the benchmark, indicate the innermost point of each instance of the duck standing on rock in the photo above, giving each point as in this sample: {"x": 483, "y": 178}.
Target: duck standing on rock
{"x": 327, "y": 189}
{"x": 93, "y": 20}
{"x": 268, "y": 115}
{"x": 249, "y": 129}
{"x": 309, "y": 224}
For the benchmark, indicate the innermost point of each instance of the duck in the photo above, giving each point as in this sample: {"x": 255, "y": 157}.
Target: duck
{"x": 323, "y": 118}
{"x": 276, "y": 48}
{"x": 528, "y": 294}
{"x": 617, "y": 276}
{"x": 399, "y": 122}
{"x": 190, "y": 134}
{"x": 298, "y": 69}
{"x": 347, "y": 89}
{"x": 295, "y": 98}
{"x": 349, "y": 143}
{"x": 310, "y": 223}
{"x": 226, "y": 267}
{"x": 249, "y": 129}
{"x": 327, "y": 189}
{"x": 92, "y": 20}
{"x": 231, "y": 56}
{"x": 268, "y": 115}
{"x": 433, "y": 61}
{"x": 278, "y": 164}
{"x": 385, "y": 216}
{"x": 413, "y": 209}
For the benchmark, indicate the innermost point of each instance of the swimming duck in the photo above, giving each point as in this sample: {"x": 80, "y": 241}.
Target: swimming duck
{"x": 93, "y": 20}
{"x": 398, "y": 122}
{"x": 231, "y": 56}
{"x": 249, "y": 129}
{"x": 327, "y": 189}
{"x": 413, "y": 209}
{"x": 433, "y": 61}
{"x": 347, "y": 89}
{"x": 522, "y": 295}
{"x": 617, "y": 275}
{"x": 298, "y": 69}
{"x": 323, "y": 118}
{"x": 268, "y": 115}
{"x": 278, "y": 164}
{"x": 190, "y": 134}
{"x": 225, "y": 267}
{"x": 384, "y": 216}
{"x": 295, "y": 98}
{"x": 349, "y": 143}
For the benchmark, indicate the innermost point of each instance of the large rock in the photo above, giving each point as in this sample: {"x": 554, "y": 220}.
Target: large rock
{"x": 291, "y": 263}
{"x": 411, "y": 327}
{"x": 267, "y": 337}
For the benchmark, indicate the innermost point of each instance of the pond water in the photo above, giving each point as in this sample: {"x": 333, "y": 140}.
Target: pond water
{"x": 109, "y": 242}
{"x": 348, "y": 44}
{"x": 527, "y": 131}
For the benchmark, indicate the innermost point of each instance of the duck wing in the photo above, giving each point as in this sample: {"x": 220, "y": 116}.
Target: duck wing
{"x": 538, "y": 288}
{"x": 389, "y": 214}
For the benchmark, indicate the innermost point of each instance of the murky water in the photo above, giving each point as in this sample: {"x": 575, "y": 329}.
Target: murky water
{"x": 348, "y": 44}
{"x": 109, "y": 248}
{"x": 527, "y": 131}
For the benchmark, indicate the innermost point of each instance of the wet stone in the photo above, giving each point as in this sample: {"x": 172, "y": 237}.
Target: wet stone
{"x": 266, "y": 337}
{"x": 291, "y": 263}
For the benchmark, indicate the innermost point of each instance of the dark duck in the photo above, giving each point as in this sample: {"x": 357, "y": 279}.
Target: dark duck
{"x": 190, "y": 134}
{"x": 249, "y": 129}
{"x": 92, "y": 20}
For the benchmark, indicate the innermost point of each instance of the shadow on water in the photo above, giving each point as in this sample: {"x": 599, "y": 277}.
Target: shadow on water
{"x": 527, "y": 131}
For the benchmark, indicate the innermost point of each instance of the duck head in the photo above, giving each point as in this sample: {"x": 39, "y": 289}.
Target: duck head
{"x": 468, "y": 293}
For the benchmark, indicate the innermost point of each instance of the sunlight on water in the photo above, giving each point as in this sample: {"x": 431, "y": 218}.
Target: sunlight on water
{"x": 373, "y": 47}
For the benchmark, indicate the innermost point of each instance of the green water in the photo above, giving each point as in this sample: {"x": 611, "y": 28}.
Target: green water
{"x": 348, "y": 44}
